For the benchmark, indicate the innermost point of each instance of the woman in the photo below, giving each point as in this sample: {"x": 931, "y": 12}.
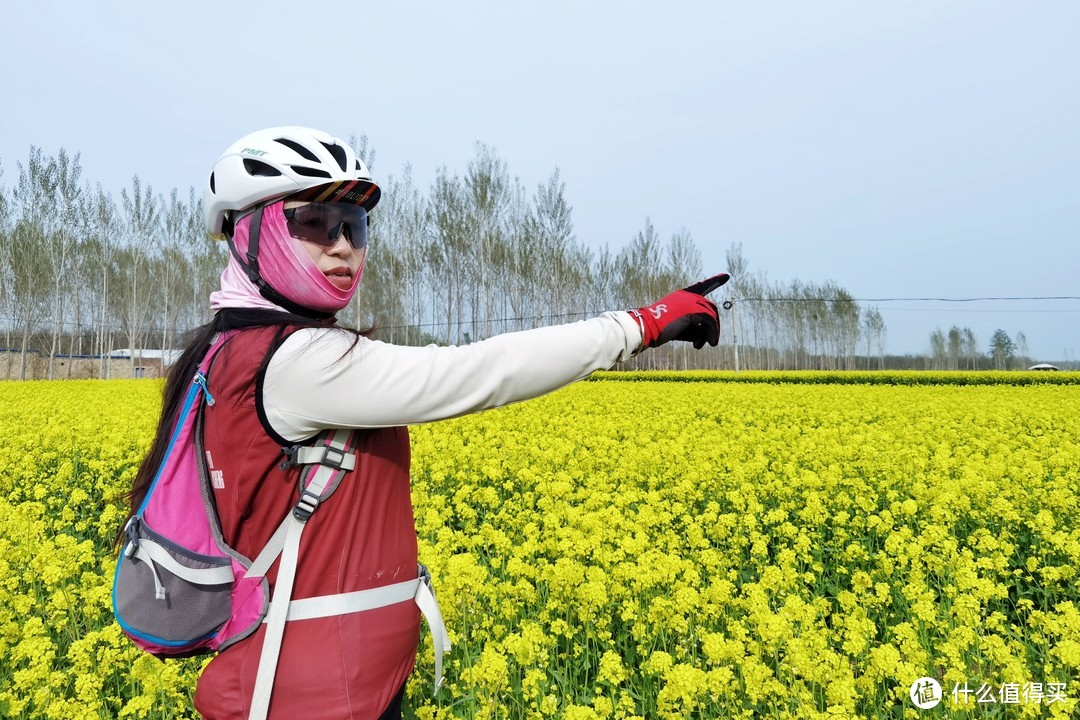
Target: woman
{"x": 292, "y": 204}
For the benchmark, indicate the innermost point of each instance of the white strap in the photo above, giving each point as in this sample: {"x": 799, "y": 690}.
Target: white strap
{"x": 152, "y": 553}
{"x": 361, "y": 600}
{"x": 276, "y": 543}
{"x": 325, "y": 473}
{"x": 314, "y": 455}
{"x": 320, "y": 478}
{"x": 286, "y": 543}
{"x": 439, "y": 638}
{"x": 345, "y": 603}
{"x": 270, "y": 552}
{"x": 287, "y": 536}
{"x": 275, "y": 620}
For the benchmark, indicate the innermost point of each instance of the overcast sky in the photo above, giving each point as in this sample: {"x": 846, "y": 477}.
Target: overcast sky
{"x": 902, "y": 150}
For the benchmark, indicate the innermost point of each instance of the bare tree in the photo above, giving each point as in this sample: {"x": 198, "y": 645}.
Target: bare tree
{"x": 603, "y": 289}
{"x": 970, "y": 347}
{"x": 7, "y": 292}
{"x": 488, "y": 192}
{"x": 641, "y": 272}
{"x": 81, "y": 284}
{"x": 64, "y": 197}
{"x": 29, "y": 251}
{"x": 208, "y": 258}
{"x": 939, "y": 354}
{"x": 133, "y": 293}
{"x": 640, "y": 266}
{"x": 547, "y": 250}
{"x": 1022, "y": 351}
{"x": 683, "y": 267}
{"x": 447, "y": 252}
{"x": 956, "y": 344}
{"x": 845, "y": 316}
{"x": 874, "y": 331}
{"x": 170, "y": 265}
{"x": 103, "y": 236}
{"x": 737, "y": 266}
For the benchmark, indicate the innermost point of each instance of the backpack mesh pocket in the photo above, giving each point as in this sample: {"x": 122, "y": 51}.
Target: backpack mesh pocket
{"x": 169, "y": 595}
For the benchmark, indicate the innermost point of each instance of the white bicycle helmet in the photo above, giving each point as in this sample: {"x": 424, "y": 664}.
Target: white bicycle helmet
{"x": 272, "y": 163}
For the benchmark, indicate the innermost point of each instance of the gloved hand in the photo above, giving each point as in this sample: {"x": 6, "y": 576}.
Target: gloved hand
{"x": 682, "y": 315}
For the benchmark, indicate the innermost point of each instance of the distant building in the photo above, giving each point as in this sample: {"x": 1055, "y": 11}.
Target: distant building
{"x": 148, "y": 363}
{"x": 117, "y": 364}
{"x": 168, "y": 356}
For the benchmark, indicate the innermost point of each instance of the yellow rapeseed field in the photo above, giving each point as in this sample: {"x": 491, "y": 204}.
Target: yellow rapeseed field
{"x": 632, "y": 550}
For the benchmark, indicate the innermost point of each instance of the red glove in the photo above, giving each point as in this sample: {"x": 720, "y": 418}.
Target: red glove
{"x": 682, "y": 315}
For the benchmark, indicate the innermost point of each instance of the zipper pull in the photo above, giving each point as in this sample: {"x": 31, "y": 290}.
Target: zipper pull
{"x": 200, "y": 380}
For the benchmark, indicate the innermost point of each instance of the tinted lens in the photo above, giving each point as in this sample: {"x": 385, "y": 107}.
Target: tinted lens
{"x": 323, "y": 223}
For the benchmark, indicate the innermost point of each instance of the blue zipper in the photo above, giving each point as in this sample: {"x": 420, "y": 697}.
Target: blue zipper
{"x": 198, "y": 384}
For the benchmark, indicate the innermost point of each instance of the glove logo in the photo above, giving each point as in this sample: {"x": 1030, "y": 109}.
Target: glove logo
{"x": 658, "y": 310}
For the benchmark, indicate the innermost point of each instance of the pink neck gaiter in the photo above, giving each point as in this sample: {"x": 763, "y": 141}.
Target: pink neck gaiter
{"x": 284, "y": 264}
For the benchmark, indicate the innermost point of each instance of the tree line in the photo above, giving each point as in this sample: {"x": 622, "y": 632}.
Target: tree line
{"x": 83, "y": 273}
{"x": 958, "y": 349}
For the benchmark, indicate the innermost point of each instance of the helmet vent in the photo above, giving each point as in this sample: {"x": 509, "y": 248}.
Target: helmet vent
{"x": 359, "y": 167}
{"x": 339, "y": 154}
{"x": 309, "y": 172}
{"x": 212, "y": 188}
{"x": 298, "y": 149}
{"x": 257, "y": 168}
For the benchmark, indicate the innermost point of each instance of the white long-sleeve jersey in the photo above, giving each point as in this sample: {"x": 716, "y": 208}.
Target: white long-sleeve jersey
{"x": 318, "y": 379}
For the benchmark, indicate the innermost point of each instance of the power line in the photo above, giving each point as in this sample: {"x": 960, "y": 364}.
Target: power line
{"x": 910, "y": 299}
{"x": 982, "y": 310}
{"x": 92, "y": 326}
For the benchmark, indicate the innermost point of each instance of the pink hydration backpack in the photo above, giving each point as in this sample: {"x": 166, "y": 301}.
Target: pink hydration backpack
{"x": 181, "y": 590}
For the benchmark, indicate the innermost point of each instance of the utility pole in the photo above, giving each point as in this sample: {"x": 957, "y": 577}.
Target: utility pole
{"x": 730, "y": 305}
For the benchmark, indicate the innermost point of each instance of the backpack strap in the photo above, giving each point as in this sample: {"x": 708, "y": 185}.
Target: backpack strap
{"x": 418, "y": 590}
{"x": 325, "y": 465}
{"x": 333, "y": 454}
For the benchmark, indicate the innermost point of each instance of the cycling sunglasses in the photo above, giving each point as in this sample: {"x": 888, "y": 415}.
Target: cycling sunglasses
{"x": 321, "y": 223}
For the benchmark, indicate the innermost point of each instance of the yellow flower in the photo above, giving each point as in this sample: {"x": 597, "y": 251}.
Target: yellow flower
{"x": 659, "y": 662}
{"x": 611, "y": 671}
{"x": 738, "y": 547}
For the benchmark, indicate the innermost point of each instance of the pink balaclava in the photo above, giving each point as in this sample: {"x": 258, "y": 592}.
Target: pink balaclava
{"x": 284, "y": 264}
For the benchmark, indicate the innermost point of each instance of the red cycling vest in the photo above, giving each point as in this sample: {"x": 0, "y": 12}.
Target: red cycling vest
{"x": 333, "y": 668}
